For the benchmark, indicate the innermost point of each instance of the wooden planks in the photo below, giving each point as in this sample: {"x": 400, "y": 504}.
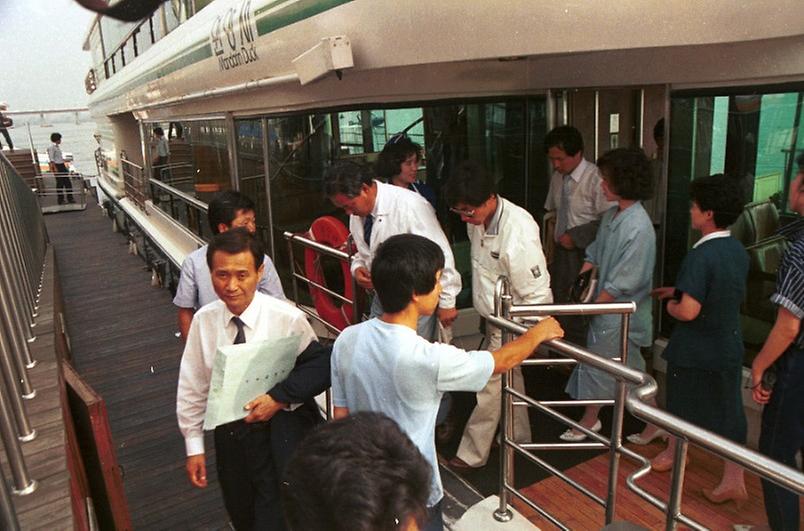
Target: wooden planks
{"x": 703, "y": 472}
{"x": 123, "y": 345}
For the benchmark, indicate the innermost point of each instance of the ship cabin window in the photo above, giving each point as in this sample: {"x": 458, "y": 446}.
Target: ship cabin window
{"x": 753, "y": 137}
{"x": 504, "y": 136}
{"x": 197, "y": 166}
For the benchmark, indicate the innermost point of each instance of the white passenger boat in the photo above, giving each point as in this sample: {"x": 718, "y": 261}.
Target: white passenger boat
{"x": 261, "y": 95}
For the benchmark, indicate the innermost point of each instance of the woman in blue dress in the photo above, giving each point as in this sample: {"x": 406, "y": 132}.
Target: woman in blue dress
{"x": 705, "y": 352}
{"x": 624, "y": 252}
{"x": 398, "y": 164}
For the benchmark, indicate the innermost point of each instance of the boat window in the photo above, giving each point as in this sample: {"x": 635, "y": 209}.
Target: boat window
{"x": 754, "y": 138}
{"x": 504, "y": 136}
{"x": 300, "y": 150}
{"x": 177, "y": 12}
{"x": 251, "y": 168}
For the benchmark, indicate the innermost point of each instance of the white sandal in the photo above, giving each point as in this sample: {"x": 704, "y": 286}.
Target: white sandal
{"x": 572, "y": 436}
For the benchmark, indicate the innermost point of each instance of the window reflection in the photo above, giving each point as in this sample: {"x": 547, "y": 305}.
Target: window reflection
{"x": 753, "y": 138}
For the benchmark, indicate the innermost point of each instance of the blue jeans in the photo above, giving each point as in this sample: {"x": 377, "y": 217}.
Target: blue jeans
{"x": 782, "y": 436}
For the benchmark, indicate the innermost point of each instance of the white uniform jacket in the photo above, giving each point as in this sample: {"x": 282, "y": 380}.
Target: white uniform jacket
{"x": 511, "y": 246}
{"x": 401, "y": 211}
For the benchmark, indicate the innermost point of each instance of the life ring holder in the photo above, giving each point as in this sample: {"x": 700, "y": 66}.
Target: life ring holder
{"x": 329, "y": 231}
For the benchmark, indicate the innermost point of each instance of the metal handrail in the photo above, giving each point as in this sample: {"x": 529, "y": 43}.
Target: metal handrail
{"x": 643, "y": 388}
{"x": 328, "y": 251}
{"x": 331, "y": 252}
{"x": 22, "y": 252}
{"x": 187, "y": 198}
{"x": 134, "y": 182}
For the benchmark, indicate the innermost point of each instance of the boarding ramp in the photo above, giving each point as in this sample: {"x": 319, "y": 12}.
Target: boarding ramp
{"x": 634, "y": 389}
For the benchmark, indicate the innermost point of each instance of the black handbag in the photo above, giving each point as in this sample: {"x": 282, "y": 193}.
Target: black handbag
{"x": 583, "y": 289}
{"x": 5, "y": 121}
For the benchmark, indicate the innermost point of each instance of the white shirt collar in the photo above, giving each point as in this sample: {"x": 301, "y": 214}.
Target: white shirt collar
{"x": 577, "y": 173}
{"x": 249, "y": 315}
{"x": 494, "y": 224}
{"x": 712, "y": 236}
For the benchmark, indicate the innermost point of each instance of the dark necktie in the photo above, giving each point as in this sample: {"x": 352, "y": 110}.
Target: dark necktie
{"x": 241, "y": 334}
{"x": 562, "y": 221}
{"x": 368, "y": 223}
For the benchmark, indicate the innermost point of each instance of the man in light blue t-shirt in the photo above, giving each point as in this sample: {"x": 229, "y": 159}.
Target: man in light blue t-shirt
{"x": 227, "y": 210}
{"x": 382, "y": 365}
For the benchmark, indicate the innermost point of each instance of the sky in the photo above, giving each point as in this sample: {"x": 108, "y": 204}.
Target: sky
{"x": 42, "y": 65}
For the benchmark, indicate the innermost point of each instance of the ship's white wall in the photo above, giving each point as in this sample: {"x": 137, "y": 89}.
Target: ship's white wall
{"x": 451, "y": 48}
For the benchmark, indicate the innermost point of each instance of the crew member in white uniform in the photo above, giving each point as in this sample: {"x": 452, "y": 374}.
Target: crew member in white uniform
{"x": 504, "y": 241}
{"x": 378, "y": 211}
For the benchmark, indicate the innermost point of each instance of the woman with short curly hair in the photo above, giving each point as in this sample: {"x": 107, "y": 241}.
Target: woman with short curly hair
{"x": 624, "y": 252}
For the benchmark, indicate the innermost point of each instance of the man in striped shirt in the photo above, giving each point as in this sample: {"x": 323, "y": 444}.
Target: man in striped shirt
{"x": 782, "y": 355}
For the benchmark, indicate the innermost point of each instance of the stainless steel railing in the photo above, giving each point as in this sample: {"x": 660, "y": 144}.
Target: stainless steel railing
{"x": 23, "y": 244}
{"x": 135, "y": 183}
{"x": 54, "y": 196}
{"x": 324, "y": 250}
{"x": 643, "y": 387}
{"x": 181, "y": 206}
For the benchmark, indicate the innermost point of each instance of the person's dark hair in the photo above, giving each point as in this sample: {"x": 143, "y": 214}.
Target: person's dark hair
{"x": 405, "y": 265}
{"x": 396, "y": 151}
{"x": 800, "y": 161}
{"x": 360, "y": 473}
{"x": 469, "y": 184}
{"x": 721, "y": 194}
{"x": 236, "y": 241}
{"x": 55, "y": 137}
{"x": 347, "y": 177}
{"x": 566, "y": 138}
{"x": 224, "y": 208}
{"x": 627, "y": 172}
{"x": 658, "y": 130}
{"x": 159, "y": 131}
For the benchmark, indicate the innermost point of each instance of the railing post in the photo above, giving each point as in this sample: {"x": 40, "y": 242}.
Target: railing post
{"x": 23, "y": 484}
{"x": 8, "y": 516}
{"x": 616, "y": 439}
{"x": 677, "y": 485}
{"x": 502, "y": 308}
{"x": 12, "y": 383}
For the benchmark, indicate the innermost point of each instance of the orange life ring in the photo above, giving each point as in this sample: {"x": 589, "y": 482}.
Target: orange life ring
{"x": 329, "y": 231}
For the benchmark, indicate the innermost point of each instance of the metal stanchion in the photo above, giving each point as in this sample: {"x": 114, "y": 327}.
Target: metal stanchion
{"x": 23, "y": 484}
{"x": 677, "y": 485}
{"x": 12, "y": 307}
{"x": 19, "y": 347}
{"x": 503, "y": 513}
{"x": 616, "y": 439}
{"x": 24, "y": 431}
{"x": 8, "y": 516}
{"x": 15, "y": 268}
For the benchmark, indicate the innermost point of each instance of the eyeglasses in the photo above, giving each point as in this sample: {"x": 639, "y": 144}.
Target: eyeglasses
{"x": 464, "y": 213}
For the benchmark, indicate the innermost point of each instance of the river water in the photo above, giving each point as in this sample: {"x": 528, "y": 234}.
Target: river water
{"x": 76, "y": 139}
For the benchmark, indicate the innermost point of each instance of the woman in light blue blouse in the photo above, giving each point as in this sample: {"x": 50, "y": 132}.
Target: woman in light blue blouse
{"x": 624, "y": 252}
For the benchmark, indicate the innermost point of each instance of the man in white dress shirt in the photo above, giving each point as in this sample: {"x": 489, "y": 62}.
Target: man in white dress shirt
{"x": 577, "y": 199}
{"x": 251, "y": 453}
{"x": 504, "y": 240}
{"x": 378, "y": 211}
{"x": 58, "y": 167}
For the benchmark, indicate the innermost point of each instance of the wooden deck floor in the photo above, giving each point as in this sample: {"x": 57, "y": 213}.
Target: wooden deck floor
{"x": 703, "y": 472}
{"x": 123, "y": 341}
